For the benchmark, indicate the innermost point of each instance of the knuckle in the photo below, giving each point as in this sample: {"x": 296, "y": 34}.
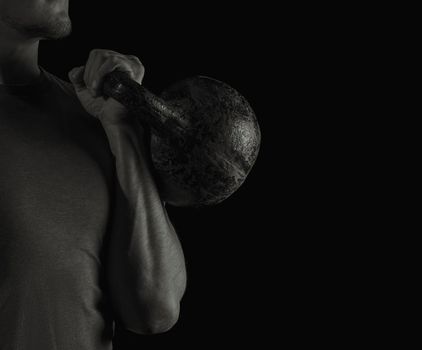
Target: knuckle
{"x": 99, "y": 50}
{"x": 93, "y": 52}
{"x": 108, "y": 53}
{"x": 135, "y": 59}
{"x": 140, "y": 73}
{"x": 101, "y": 53}
{"x": 115, "y": 58}
{"x": 142, "y": 68}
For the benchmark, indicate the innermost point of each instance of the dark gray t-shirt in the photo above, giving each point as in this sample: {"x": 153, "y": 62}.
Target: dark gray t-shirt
{"x": 56, "y": 176}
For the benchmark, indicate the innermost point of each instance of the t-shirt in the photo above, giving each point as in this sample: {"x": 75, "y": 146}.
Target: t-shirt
{"x": 56, "y": 176}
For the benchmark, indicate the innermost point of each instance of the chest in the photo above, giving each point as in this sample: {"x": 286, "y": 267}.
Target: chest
{"x": 55, "y": 180}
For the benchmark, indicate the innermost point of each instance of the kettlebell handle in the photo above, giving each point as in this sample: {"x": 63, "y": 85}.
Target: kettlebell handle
{"x": 150, "y": 108}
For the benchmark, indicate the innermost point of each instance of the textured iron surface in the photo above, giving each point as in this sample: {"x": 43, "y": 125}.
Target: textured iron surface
{"x": 223, "y": 143}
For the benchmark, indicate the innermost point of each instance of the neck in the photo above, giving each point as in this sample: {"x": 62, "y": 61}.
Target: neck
{"x": 18, "y": 61}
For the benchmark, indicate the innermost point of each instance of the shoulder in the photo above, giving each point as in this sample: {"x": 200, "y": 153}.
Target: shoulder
{"x": 62, "y": 93}
{"x": 59, "y": 84}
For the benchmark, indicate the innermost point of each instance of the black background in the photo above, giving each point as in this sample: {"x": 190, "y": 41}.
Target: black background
{"x": 233, "y": 268}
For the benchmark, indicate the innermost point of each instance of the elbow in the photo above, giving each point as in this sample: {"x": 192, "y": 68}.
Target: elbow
{"x": 156, "y": 316}
{"x": 162, "y": 318}
{"x": 152, "y": 309}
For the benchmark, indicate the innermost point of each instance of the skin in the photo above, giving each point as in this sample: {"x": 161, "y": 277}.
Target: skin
{"x": 158, "y": 265}
{"x": 23, "y": 24}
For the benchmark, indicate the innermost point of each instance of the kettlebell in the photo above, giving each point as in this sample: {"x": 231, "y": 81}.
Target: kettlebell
{"x": 205, "y": 137}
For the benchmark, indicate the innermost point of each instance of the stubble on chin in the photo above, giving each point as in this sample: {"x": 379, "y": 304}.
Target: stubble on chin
{"x": 57, "y": 27}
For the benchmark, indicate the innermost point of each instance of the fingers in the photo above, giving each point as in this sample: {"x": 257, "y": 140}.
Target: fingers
{"x": 101, "y": 62}
{"x": 76, "y": 77}
{"x": 94, "y": 60}
{"x": 138, "y": 68}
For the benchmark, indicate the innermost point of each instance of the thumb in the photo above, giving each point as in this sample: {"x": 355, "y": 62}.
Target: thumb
{"x": 76, "y": 77}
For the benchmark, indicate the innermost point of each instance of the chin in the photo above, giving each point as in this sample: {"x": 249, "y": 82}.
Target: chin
{"x": 57, "y": 27}
{"x": 60, "y": 30}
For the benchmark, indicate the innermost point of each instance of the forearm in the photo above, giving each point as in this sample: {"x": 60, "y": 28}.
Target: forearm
{"x": 145, "y": 252}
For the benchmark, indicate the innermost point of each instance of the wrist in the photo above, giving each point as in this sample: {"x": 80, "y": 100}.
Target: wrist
{"x": 121, "y": 131}
{"x": 113, "y": 117}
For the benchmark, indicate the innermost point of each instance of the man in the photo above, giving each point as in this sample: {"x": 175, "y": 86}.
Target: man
{"x": 85, "y": 239}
